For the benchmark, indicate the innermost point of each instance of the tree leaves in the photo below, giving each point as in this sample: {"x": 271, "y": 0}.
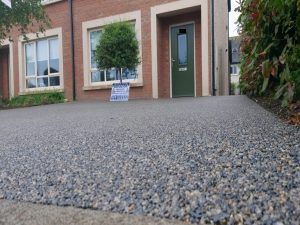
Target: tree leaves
{"x": 265, "y": 84}
{"x": 270, "y": 32}
{"x": 266, "y": 68}
{"x": 118, "y": 47}
{"x": 23, "y": 15}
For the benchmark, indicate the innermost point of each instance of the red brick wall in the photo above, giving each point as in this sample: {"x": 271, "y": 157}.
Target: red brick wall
{"x": 85, "y": 10}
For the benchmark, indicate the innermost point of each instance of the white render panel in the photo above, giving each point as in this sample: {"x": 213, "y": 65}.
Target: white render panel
{"x": 221, "y": 26}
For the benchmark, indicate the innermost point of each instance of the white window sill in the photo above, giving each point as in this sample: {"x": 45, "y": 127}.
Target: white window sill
{"x": 48, "y": 2}
{"x": 108, "y": 86}
{"x": 40, "y": 91}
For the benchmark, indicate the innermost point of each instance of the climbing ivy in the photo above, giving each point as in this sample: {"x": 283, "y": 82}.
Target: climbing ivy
{"x": 270, "y": 46}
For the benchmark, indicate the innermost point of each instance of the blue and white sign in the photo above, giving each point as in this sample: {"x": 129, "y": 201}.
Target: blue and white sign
{"x": 7, "y": 2}
{"x": 120, "y": 92}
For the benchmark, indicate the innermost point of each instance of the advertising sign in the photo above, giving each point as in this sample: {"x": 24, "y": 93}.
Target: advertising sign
{"x": 7, "y": 2}
{"x": 120, "y": 92}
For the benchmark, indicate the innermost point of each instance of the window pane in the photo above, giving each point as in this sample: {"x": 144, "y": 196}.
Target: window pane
{"x": 42, "y": 50}
{"x": 129, "y": 74}
{"x": 30, "y": 52}
{"x": 30, "y": 59}
{"x": 54, "y": 56}
{"x": 97, "y": 76}
{"x": 53, "y": 49}
{"x": 94, "y": 40}
{"x": 42, "y": 82}
{"x": 42, "y": 68}
{"x": 111, "y": 75}
{"x": 54, "y": 81}
{"x": 31, "y": 83}
{"x": 182, "y": 49}
{"x": 54, "y": 65}
{"x": 42, "y": 58}
{"x": 30, "y": 69}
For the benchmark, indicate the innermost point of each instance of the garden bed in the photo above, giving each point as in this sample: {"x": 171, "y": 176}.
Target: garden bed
{"x": 32, "y": 100}
{"x": 275, "y": 106}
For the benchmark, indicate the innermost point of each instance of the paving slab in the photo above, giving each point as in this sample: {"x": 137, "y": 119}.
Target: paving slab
{"x": 16, "y": 213}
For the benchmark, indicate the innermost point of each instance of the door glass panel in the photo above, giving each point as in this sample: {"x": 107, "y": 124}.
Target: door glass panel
{"x": 182, "y": 49}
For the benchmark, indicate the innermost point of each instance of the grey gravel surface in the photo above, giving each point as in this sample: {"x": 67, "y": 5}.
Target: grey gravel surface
{"x": 222, "y": 160}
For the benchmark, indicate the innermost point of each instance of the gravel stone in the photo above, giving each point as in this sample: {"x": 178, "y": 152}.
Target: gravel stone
{"x": 214, "y": 160}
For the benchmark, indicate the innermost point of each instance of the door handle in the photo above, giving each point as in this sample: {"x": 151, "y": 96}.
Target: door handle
{"x": 173, "y": 60}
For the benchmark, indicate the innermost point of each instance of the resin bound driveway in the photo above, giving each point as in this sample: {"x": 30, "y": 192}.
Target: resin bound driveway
{"x": 218, "y": 159}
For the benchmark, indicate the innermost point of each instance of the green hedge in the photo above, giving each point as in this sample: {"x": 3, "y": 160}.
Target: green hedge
{"x": 270, "y": 45}
{"x": 36, "y": 99}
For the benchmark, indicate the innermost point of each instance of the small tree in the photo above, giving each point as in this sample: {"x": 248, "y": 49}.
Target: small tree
{"x": 22, "y": 15}
{"x": 118, "y": 47}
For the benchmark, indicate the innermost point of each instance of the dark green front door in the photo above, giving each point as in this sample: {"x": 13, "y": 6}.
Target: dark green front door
{"x": 182, "y": 52}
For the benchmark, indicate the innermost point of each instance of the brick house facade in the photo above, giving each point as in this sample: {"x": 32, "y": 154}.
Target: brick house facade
{"x": 176, "y": 50}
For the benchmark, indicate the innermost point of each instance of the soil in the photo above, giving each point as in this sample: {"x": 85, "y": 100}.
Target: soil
{"x": 273, "y": 106}
{"x": 289, "y": 114}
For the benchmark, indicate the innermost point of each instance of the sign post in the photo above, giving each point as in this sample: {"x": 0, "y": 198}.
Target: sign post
{"x": 7, "y": 2}
{"x": 120, "y": 92}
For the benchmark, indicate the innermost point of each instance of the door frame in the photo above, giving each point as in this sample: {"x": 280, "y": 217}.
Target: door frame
{"x": 170, "y": 55}
{"x": 11, "y": 87}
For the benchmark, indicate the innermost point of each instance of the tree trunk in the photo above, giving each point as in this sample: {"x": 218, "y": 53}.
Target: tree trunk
{"x": 120, "y": 74}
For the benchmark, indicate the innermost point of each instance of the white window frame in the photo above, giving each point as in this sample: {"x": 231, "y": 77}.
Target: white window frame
{"x": 94, "y": 25}
{"x": 10, "y": 44}
{"x": 33, "y": 37}
{"x": 48, "y": 2}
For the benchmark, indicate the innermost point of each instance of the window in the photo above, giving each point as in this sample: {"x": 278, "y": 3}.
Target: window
{"x": 42, "y": 63}
{"x": 104, "y": 76}
{"x": 234, "y": 70}
{"x": 94, "y": 79}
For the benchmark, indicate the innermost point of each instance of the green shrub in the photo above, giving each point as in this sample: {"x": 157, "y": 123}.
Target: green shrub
{"x": 233, "y": 86}
{"x": 37, "y": 99}
{"x": 270, "y": 33}
{"x": 3, "y": 101}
